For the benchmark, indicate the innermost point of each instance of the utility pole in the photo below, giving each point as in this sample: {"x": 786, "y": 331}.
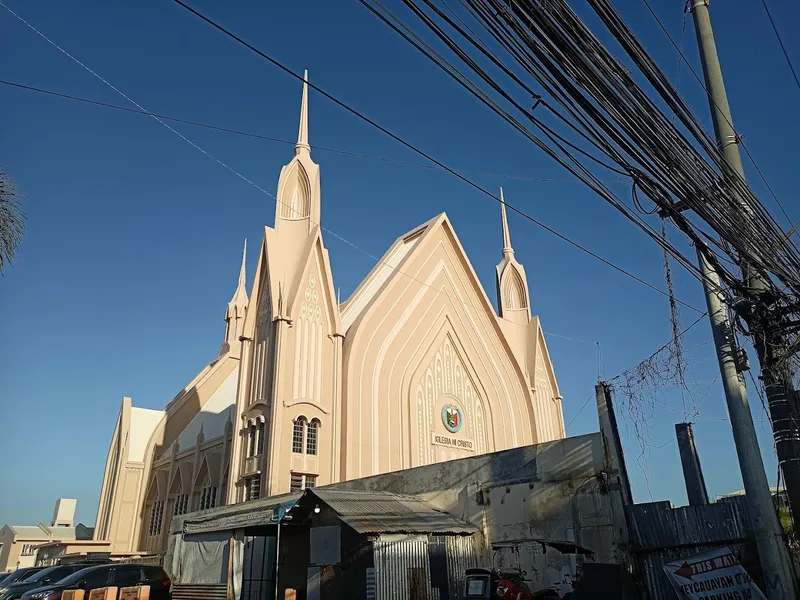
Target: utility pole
{"x": 772, "y": 553}
{"x": 769, "y": 342}
{"x": 696, "y": 491}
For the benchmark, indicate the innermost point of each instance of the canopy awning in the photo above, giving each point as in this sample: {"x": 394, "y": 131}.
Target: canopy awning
{"x": 268, "y": 511}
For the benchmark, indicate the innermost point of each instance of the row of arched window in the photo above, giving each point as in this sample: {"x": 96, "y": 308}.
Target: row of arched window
{"x": 305, "y": 435}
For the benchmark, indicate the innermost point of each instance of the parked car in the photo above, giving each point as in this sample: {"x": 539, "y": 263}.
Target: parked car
{"x": 20, "y": 575}
{"x": 46, "y": 576}
{"x": 116, "y": 574}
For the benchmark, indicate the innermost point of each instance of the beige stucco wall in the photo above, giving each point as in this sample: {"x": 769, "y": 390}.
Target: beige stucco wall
{"x": 11, "y": 557}
{"x": 430, "y": 339}
{"x": 131, "y": 481}
{"x": 118, "y": 508}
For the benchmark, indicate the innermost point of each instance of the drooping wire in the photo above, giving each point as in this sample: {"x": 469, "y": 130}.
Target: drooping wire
{"x": 711, "y": 99}
{"x": 560, "y": 153}
{"x": 782, "y": 45}
{"x": 265, "y": 137}
{"x": 422, "y": 153}
{"x": 671, "y": 171}
{"x": 161, "y": 119}
{"x": 674, "y": 319}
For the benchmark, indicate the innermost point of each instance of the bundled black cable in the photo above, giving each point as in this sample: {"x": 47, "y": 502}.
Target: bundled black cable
{"x": 542, "y": 51}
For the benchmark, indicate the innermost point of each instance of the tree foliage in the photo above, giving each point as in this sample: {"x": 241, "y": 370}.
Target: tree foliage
{"x": 12, "y": 220}
{"x": 786, "y": 521}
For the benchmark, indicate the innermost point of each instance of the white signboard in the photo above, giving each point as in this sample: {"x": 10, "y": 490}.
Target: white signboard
{"x": 715, "y": 575}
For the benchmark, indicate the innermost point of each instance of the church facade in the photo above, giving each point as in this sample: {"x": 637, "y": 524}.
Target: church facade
{"x": 416, "y": 367}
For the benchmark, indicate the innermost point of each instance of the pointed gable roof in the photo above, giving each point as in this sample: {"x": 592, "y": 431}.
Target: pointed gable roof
{"x": 390, "y": 270}
{"x": 384, "y": 271}
{"x": 316, "y": 247}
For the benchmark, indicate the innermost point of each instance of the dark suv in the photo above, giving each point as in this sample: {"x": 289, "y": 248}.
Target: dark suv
{"x": 116, "y": 574}
{"x": 46, "y": 576}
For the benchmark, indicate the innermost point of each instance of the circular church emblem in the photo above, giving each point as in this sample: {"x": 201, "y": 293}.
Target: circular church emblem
{"x": 452, "y": 418}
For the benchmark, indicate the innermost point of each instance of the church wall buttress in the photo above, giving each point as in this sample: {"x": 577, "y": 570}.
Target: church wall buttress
{"x": 305, "y": 395}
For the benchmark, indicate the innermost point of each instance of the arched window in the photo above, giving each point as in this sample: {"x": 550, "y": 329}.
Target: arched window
{"x": 298, "y": 435}
{"x": 311, "y": 437}
{"x": 208, "y": 495}
{"x": 515, "y": 291}
{"x": 251, "y": 431}
{"x": 260, "y": 432}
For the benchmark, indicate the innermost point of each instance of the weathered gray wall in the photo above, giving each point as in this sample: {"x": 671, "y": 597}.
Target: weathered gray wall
{"x": 561, "y": 490}
{"x": 555, "y": 490}
{"x": 569, "y": 458}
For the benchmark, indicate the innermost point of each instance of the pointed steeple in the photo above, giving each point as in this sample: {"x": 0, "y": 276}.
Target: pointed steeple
{"x": 302, "y": 134}
{"x": 239, "y": 300}
{"x": 242, "y": 269}
{"x": 512, "y": 285}
{"x": 298, "y": 195}
{"x": 235, "y": 312}
{"x": 507, "y": 249}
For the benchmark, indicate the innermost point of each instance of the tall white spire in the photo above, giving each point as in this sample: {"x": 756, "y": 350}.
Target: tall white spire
{"x": 242, "y": 269}
{"x": 302, "y": 134}
{"x": 235, "y": 312}
{"x": 238, "y": 303}
{"x": 298, "y": 196}
{"x": 507, "y": 249}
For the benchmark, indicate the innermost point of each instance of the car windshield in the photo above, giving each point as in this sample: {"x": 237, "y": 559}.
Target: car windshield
{"x": 77, "y": 576}
{"x": 18, "y": 575}
{"x": 54, "y": 573}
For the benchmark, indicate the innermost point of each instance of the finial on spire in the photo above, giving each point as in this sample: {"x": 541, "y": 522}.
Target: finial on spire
{"x": 302, "y": 134}
{"x": 507, "y": 249}
{"x": 242, "y": 270}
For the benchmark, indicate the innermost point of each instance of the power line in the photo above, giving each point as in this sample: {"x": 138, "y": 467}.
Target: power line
{"x": 359, "y": 115}
{"x": 410, "y": 146}
{"x": 708, "y": 93}
{"x": 266, "y": 137}
{"x": 663, "y": 347}
{"x": 563, "y": 156}
{"x": 129, "y": 99}
{"x": 141, "y": 110}
{"x": 568, "y": 62}
{"x": 335, "y": 150}
{"x": 780, "y": 41}
{"x": 158, "y": 118}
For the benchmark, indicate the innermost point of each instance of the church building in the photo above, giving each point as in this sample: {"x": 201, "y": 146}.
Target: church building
{"x": 416, "y": 367}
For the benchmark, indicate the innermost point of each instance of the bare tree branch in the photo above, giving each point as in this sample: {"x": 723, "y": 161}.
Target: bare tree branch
{"x": 12, "y": 220}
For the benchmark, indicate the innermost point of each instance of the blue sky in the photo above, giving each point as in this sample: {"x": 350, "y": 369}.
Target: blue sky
{"x": 135, "y": 236}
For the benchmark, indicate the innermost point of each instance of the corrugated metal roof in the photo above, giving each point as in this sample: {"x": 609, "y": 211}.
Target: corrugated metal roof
{"x": 30, "y": 532}
{"x": 384, "y": 512}
{"x": 232, "y": 516}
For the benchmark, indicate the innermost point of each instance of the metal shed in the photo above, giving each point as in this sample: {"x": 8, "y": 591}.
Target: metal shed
{"x": 380, "y": 546}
